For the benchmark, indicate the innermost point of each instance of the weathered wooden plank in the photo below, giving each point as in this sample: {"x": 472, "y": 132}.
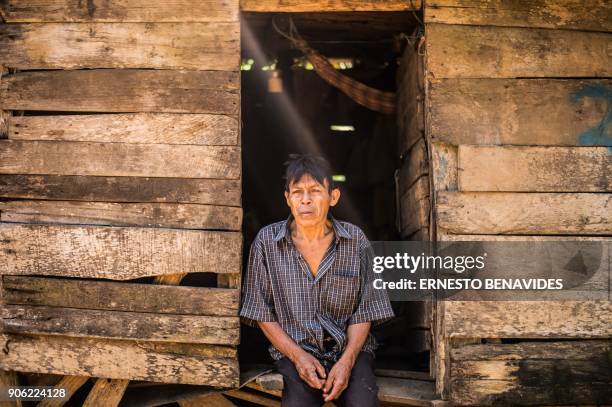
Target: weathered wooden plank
{"x": 127, "y": 297}
{"x": 124, "y": 90}
{"x": 121, "y": 189}
{"x": 106, "y": 392}
{"x": 591, "y": 15}
{"x": 200, "y": 46}
{"x": 171, "y": 215}
{"x": 460, "y": 51}
{"x": 577, "y": 371}
{"x": 117, "y": 359}
{"x": 101, "y": 159}
{"x": 9, "y": 379}
{"x": 71, "y": 384}
{"x": 414, "y": 167}
{"x": 524, "y": 213}
{"x": 410, "y": 96}
{"x": 444, "y": 166}
{"x": 414, "y": 207}
{"x": 141, "y": 326}
{"x": 114, "y": 252}
{"x": 539, "y": 169}
{"x": 528, "y": 319}
{"x": 32, "y": 11}
{"x": 160, "y": 128}
{"x": 298, "y": 6}
{"x": 521, "y": 112}
{"x": 211, "y": 400}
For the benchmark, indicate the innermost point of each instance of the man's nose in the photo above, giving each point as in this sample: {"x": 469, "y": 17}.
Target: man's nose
{"x": 306, "y": 199}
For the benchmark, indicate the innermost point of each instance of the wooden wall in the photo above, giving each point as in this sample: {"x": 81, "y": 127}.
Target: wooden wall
{"x": 518, "y": 98}
{"x": 120, "y": 159}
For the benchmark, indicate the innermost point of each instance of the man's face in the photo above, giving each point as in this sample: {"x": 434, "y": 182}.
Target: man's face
{"x": 310, "y": 201}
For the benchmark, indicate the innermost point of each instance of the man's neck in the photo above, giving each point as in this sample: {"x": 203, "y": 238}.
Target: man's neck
{"x": 311, "y": 233}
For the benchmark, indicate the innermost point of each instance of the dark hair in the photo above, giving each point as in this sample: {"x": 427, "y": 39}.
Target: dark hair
{"x": 317, "y": 167}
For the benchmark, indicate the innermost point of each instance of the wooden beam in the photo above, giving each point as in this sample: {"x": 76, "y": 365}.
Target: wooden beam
{"x": 118, "y": 359}
{"x": 528, "y": 319}
{"x": 415, "y": 206}
{"x": 114, "y": 296}
{"x": 106, "y": 392}
{"x": 151, "y": 128}
{"x": 100, "y": 159}
{"x": 488, "y": 213}
{"x": 211, "y": 400}
{"x": 124, "y": 90}
{"x": 199, "y": 46}
{"x": 589, "y": 15}
{"x": 121, "y": 189}
{"x": 460, "y": 51}
{"x": 300, "y": 6}
{"x": 511, "y": 111}
{"x": 9, "y": 379}
{"x": 140, "y": 326}
{"x": 535, "y": 169}
{"x": 170, "y": 215}
{"x": 71, "y": 384}
{"x": 532, "y": 372}
{"x": 32, "y": 11}
{"x": 414, "y": 167}
{"x": 114, "y": 252}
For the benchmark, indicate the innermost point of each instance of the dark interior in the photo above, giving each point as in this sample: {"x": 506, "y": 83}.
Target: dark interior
{"x": 299, "y": 119}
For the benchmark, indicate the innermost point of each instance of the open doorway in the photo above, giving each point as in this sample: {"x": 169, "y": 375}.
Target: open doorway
{"x": 287, "y": 108}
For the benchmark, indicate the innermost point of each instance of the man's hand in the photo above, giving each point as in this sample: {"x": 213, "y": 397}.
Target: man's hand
{"x": 309, "y": 369}
{"x": 338, "y": 379}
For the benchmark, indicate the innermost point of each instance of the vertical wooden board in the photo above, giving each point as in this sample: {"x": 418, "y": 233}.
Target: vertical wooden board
{"x": 124, "y": 90}
{"x": 410, "y": 96}
{"x": 116, "y": 359}
{"x": 489, "y": 213}
{"x": 114, "y": 252}
{"x": 106, "y": 392}
{"x": 589, "y": 15}
{"x": 460, "y": 51}
{"x": 539, "y": 169}
{"x": 32, "y": 11}
{"x": 521, "y": 112}
{"x": 200, "y": 46}
{"x": 153, "y": 128}
{"x": 171, "y": 215}
{"x": 121, "y": 189}
{"x": 414, "y": 207}
{"x": 102, "y": 159}
{"x": 415, "y": 166}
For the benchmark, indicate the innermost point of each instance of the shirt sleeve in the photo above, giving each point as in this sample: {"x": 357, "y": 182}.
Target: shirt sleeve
{"x": 257, "y": 303}
{"x": 374, "y": 304}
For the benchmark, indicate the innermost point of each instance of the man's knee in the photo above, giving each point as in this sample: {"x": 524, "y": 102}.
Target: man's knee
{"x": 362, "y": 389}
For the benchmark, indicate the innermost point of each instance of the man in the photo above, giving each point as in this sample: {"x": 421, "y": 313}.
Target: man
{"x": 308, "y": 287}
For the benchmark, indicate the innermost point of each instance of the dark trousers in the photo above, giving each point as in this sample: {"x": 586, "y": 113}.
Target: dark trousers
{"x": 362, "y": 390}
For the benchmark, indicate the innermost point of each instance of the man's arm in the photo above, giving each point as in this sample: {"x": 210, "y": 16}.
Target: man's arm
{"x": 340, "y": 373}
{"x": 306, "y": 365}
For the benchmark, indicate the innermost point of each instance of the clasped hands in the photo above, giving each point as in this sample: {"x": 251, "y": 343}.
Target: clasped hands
{"x": 312, "y": 372}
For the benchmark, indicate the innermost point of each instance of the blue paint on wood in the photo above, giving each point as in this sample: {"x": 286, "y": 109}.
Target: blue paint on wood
{"x": 600, "y": 135}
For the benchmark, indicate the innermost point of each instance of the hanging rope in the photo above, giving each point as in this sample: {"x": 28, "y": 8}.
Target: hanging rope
{"x": 374, "y": 99}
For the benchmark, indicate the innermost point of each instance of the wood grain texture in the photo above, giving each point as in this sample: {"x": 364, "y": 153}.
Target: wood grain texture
{"x": 532, "y": 373}
{"x": 521, "y": 112}
{"x": 116, "y": 359}
{"x": 113, "y": 296}
{"x": 524, "y": 213}
{"x": 459, "y": 51}
{"x": 101, "y": 159}
{"x": 444, "y": 166}
{"x": 414, "y": 206}
{"x": 124, "y": 90}
{"x": 106, "y": 392}
{"x": 140, "y": 326}
{"x": 169, "y": 215}
{"x": 410, "y": 96}
{"x": 298, "y": 6}
{"x": 152, "y": 128}
{"x": 591, "y": 15}
{"x": 528, "y": 319}
{"x": 540, "y": 169}
{"x": 114, "y": 252}
{"x": 415, "y": 166}
{"x": 121, "y": 189}
{"x": 199, "y": 46}
{"x": 32, "y": 11}
{"x": 71, "y": 384}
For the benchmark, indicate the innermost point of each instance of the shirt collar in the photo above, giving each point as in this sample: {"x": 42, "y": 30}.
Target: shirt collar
{"x": 339, "y": 230}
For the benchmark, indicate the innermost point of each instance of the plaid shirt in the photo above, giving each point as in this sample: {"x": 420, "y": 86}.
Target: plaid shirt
{"x": 280, "y": 287}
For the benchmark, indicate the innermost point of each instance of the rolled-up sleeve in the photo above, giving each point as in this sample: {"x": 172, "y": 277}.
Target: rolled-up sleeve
{"x": 257, "y": 302}
{"x": 374, "y": 305}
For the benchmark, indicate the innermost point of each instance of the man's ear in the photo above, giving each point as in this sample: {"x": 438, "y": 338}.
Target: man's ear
{"x": 287, "y": 199}
{"x": 335, "y": 196}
